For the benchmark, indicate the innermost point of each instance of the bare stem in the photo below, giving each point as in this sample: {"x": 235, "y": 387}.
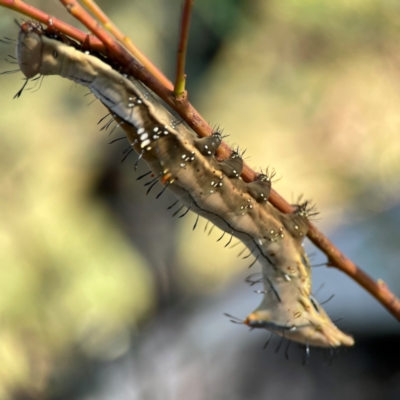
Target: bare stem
{"x": 47, "y": 19}
{"x": 78, "y": 12}
{"x": 107, "y": 45}
{"x": 180, "y": 80}
{"x": 126, "y": 41}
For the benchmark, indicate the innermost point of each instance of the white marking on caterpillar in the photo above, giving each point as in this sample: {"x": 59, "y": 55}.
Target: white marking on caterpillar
{"x": 186, "y": 165}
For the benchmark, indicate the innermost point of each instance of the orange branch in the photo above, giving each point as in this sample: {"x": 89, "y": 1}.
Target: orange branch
{"x": 126, "y": 41}
{"x": 47, "y": 19}
{"x": 117, "y": 53}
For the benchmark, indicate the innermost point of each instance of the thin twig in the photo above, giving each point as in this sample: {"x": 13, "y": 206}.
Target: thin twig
{"x": 126, "y": 41}
{"x": 78, "y": 12}
{"x": 117, "y": 53}
{"x": 47, "y": 19}
{"x": 180, "y": 80}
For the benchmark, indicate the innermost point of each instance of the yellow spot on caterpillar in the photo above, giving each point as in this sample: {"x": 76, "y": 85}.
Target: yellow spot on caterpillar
{"x": 297, "y": 314}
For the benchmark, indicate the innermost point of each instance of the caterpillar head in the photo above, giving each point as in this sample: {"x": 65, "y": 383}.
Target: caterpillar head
{"x": 39, "y": 54}
{"x": 29, "y": 49}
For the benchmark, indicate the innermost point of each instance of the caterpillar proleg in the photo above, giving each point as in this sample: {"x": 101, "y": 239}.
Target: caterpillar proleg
{"x": 212, "y": 189}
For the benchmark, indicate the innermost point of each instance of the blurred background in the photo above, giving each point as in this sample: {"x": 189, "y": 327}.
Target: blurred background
{"x": 103, "y": 295}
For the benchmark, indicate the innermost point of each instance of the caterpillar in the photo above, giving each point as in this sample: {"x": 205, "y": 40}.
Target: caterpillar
{"x": 186, "y": 165}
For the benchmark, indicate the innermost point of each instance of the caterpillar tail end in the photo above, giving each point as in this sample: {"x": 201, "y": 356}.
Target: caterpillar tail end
{"x": 322, "y": 334}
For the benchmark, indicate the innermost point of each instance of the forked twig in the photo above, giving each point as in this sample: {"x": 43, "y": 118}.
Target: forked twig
{"x": 126, "y": 41}
{"x": 38, "y": 15}
{"x": 106, "y": 44}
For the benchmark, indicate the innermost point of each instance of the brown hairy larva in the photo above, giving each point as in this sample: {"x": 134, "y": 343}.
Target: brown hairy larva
{"x": 213, "y": 189}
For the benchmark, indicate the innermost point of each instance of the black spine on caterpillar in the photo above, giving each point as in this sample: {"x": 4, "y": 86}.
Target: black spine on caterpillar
{"x": 306, "y": 209}
{"x": 260, "y": 188}
{"x": 233, "y": 166}
{"x": 207, "y": 146}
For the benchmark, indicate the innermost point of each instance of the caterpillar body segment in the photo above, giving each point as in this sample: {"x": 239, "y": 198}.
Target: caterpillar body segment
{"x": 232, "y": 167}
{"x": 260, "y": 188}
{"x": 207, "y": 146}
